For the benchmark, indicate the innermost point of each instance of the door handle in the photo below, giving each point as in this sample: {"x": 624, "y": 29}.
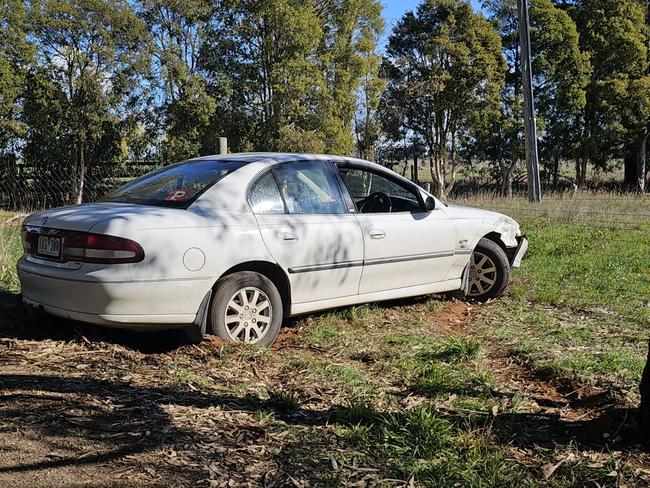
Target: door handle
{"x": 287, "y": 236}
{"x": 376, "y": 234}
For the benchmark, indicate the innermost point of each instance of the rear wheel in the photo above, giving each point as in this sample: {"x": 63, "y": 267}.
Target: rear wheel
{"x": 247, "y": 308}
{"x": 489, "y": 271}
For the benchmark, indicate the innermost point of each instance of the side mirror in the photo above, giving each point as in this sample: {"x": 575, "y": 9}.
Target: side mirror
{"x": 429, "y": 204}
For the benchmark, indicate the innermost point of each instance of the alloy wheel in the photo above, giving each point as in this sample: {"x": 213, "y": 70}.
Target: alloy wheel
{"x": 248, "y": 315}
{"x": 482, "y": 274}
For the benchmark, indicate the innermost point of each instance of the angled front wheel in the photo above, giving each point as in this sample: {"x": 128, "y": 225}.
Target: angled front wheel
{"x": 489, "y": 271}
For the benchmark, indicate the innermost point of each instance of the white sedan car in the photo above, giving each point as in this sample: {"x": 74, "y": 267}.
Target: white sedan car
{"x": 233, "y": 244}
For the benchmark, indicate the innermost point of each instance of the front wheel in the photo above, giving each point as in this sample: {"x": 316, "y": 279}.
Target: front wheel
{"x": 489, "y": 271}
{"x": 247, "y": 308}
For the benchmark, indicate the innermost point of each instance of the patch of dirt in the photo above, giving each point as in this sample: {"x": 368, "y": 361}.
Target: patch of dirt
{"x": 456, "y": 317}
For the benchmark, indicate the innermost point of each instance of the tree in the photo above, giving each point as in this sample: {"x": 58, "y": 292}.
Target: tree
{"x": 178, "y": 31}
{"x": 16, "y": 54}
{"x": 348, "y": 54}
{"x": 261, "y": 58}
{"x": 367, "y": 123}
{"x": 445, "y": 71}
{"x": 615, "y": 119}
{"x": 284, "y": 69}
{"x": 561, "y": 73}
{"x": 94, "y": 52}
{"x": 499, "y": 139}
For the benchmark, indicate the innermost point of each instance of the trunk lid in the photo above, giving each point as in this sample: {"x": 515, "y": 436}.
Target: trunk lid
{"x": 84, "y": 217}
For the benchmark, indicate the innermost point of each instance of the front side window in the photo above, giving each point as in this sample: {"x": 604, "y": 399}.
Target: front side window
{"x": 375, "y": 193}
{"x": 174, "y": 186}
{"x": 309, "y": 187}
{"x": 265, "y": 197}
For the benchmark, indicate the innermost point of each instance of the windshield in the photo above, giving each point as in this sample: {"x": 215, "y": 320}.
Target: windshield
{"x": 174, "y": 186}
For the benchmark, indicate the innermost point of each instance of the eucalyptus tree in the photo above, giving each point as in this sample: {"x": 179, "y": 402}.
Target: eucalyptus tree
{"x": 261, "y": 60}
{"x": 367, "y": 122}
{"x": 560, "y": 76}
{"x": 178, "y": 34}
{"x": 348, "y": 56}
{"x": 617, "y": 112}
{"x": 444, "y": 68}
{"x": 94, "y": 52}
{"x": 16, "y": 55}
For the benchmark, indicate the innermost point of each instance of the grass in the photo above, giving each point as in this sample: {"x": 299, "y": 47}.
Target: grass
{"x": 579, "y": 307}
{"x": 400, "y": 391}
{"x": 10, "y": 251}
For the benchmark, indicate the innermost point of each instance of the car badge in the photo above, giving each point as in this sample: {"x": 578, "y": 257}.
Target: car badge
{"x": 44, "y": 221}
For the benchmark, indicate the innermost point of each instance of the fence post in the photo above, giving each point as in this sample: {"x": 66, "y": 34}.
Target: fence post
{"x": 223, "y": 145}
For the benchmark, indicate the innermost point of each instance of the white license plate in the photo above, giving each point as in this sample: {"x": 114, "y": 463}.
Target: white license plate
{"x": 49, "y": 246}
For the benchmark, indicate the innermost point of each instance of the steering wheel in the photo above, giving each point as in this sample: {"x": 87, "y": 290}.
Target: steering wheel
{"x": 376, "y": 202}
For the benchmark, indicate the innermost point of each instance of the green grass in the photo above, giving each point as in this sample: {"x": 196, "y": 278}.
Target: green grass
{"x": 421, "y": 445}
{"x": 587, "y": 268}
{"x": 579, "y": 306}
{"x": 10, "y": 251}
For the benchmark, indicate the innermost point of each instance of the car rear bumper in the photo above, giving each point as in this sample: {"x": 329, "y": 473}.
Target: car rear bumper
{"x": 133, "y": 305}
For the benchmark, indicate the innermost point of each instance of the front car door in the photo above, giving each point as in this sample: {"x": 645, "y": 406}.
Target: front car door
{"x": 405, "y": 245}
{"x": 308, "y": 229}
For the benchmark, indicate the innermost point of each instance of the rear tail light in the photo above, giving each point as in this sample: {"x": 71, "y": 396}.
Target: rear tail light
{"x": 85, "y": 247}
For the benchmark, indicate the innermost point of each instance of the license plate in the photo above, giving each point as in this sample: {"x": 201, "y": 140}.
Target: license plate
{"x": 49, "y": 246}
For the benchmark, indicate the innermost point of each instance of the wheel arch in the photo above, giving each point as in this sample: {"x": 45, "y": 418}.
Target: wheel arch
{"x": 272, "y": 271}
{"x": 496, "y": 238}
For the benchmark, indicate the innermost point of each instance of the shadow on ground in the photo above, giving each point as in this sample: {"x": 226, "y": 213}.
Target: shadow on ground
{"x": 22, "y": 322}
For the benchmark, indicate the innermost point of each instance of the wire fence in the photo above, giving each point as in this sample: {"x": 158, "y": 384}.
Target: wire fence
{"x": 25, "y": 187}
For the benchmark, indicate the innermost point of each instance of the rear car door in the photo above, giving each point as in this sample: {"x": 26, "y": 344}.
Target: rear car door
{"x": 405, "y": 245}
{"x": 308, "y": 229}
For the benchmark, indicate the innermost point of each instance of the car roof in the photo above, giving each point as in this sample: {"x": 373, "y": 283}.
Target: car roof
{"x": 272, "y": 157}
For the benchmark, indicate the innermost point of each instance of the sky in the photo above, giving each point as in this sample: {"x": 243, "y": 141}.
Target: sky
{"x": 394, "y": 9}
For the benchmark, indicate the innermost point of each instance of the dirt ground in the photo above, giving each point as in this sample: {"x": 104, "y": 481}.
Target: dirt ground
{"x": 88, "y": 407}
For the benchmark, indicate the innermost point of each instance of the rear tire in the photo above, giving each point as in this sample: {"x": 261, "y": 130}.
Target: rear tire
{"x": 247, "y": 307}
{"x": 489, "y": 271}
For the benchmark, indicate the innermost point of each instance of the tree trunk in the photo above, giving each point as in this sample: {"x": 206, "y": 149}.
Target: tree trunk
{"x": 641, "y": 164}
{"x": 438, "y": 181}
{"x": 415, "y": 169}
{"x": 644, "y": 408}
{"x": 581, "y": 171}
{"x": 629, "y": 164}
{"x": 506, "y": 180}
{"x": 82, "y": 175}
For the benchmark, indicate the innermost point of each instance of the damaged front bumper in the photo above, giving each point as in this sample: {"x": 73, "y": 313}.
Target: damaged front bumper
{"x": 516, "y": 254}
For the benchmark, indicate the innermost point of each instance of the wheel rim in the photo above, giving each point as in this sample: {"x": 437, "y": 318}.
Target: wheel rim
{"x": 482, "y": 274}
{"x": 248, "y": 315}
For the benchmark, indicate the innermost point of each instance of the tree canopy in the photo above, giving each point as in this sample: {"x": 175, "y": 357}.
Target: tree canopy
{"x": 89, "y": 82}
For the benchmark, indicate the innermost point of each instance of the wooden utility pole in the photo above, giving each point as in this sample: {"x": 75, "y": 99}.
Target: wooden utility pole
{"x": 530, "y": 128}
{"x": 223, "y": 145}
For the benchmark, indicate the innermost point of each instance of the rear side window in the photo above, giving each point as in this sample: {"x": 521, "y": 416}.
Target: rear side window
{"x": 265, "y": 197}
{"x": 309, "y": 187}
{"x": 174, "y": 186}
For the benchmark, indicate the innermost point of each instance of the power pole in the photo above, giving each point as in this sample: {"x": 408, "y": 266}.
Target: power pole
{"x": 530, "y": 128}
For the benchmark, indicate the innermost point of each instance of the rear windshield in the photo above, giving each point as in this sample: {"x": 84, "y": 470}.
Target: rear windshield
{"x": 174, "y": 186}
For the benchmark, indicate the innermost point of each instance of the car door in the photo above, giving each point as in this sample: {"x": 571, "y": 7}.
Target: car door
{"x": 308, "y": 229}
{"x": 405, "y": 245}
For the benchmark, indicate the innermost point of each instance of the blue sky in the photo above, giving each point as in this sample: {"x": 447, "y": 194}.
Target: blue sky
{"x": 394, "y": 9}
